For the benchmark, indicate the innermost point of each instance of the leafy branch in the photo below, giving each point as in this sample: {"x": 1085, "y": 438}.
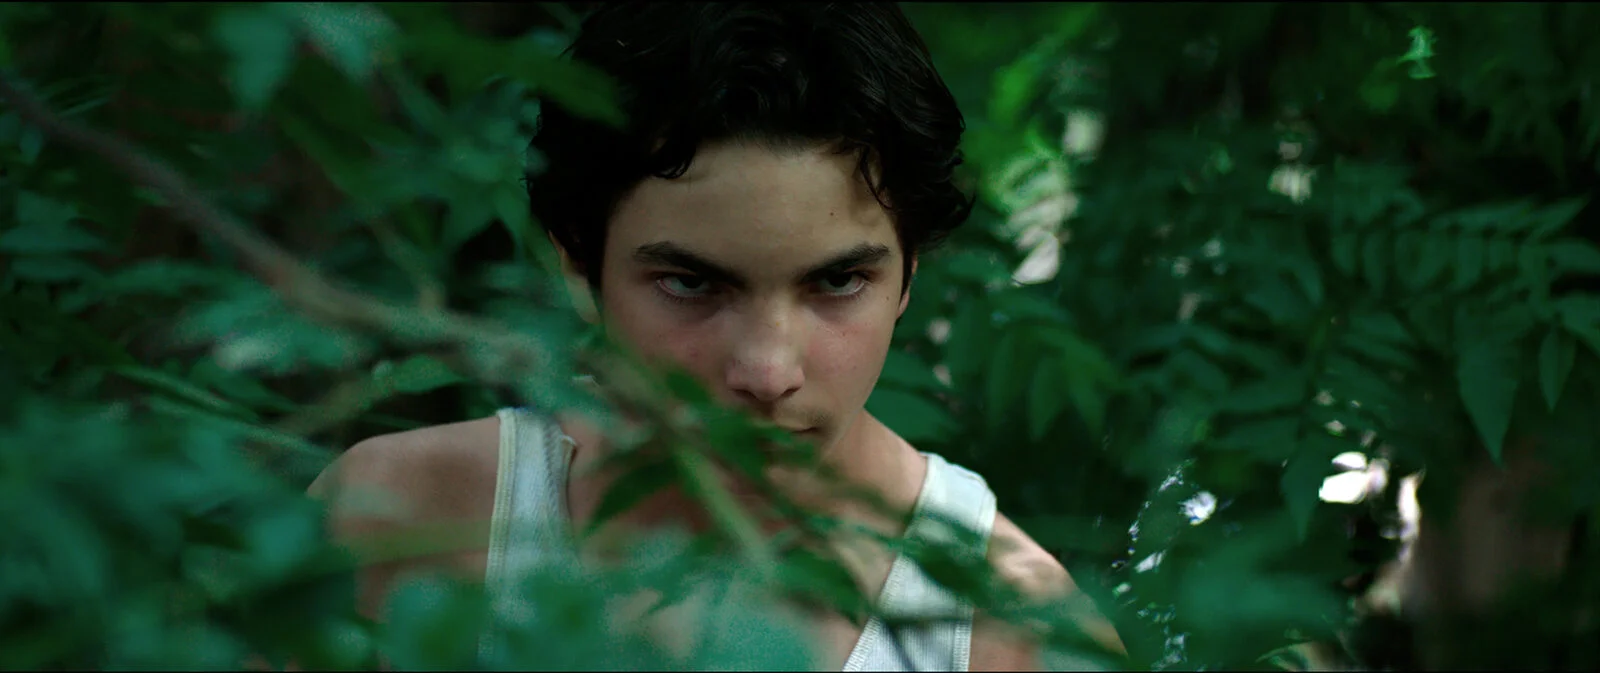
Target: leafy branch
{"x": 304, "y": 288}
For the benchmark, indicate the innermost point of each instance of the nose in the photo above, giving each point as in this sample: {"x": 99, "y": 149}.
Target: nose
{"x": 765, "y": 366}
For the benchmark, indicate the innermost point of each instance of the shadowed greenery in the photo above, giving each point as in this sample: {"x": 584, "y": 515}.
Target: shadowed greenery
{"x": 245, "y": 236}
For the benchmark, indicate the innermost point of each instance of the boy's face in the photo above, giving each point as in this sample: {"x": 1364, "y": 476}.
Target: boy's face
{"x": 774, "y": 278}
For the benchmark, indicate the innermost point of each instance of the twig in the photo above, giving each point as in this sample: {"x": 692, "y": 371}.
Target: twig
{"x": 299, "y": 285}
{"x": 304, "y": 288}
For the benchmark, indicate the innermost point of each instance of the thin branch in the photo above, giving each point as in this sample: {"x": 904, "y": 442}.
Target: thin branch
{"x": 299, "y": 285}
{"x": 304, "y": 288}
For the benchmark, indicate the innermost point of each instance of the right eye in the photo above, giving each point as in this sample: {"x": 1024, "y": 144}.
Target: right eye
{"x": 683, "y": 287}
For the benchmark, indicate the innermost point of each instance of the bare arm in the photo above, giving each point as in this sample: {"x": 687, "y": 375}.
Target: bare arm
{"x": 1036, "y": 574}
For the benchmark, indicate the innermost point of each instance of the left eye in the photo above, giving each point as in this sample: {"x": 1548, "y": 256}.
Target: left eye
{"x": 842, "y": 284}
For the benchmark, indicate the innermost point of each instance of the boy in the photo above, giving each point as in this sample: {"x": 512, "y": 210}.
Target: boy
{"x": 756, "y": 223}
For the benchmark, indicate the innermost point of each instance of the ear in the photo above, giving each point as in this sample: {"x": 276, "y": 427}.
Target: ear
{"x": 905, "y": 297}
{"x": 578, "y": 290}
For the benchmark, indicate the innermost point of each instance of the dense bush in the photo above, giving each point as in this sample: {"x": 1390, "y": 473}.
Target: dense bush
{"x": 1280, "y": 233}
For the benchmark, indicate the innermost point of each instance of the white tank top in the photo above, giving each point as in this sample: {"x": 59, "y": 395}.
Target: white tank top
{"x": 531, "y": 527}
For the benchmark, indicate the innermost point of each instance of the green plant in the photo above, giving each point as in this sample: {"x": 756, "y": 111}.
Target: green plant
{"x": 245, "y": 236}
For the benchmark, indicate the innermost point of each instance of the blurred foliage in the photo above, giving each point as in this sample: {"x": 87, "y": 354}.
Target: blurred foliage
{"x": 1280, "y": 233}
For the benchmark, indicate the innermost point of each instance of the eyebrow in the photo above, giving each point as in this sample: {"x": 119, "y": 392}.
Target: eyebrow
{"x": 667, "y": 253}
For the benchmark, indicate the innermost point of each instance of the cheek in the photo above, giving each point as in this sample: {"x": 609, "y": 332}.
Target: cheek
{"x": 846, "y": 356}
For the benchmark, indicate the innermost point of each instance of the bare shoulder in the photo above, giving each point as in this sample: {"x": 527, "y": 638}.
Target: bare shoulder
{"x": 416, "y": 465}
{"x": 402, "y": 484}
{"x": 1035, "y": 573}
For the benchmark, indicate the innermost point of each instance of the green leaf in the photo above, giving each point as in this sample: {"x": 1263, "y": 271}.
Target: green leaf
{"x": 911, "y": 416}
{"x": 1279, "y": 302}
{"x": 1554, "y": 217}
{"x": 1380, "y": 92}
{"x": 1435, "y": 256}
{"x": 1201, "y": 372}
{"x": 977, "y": 267}
{"x": 1282, "y": 391}
{"x": 1301, "y": 483}
{"x": 261, "y": 43}
{"x": 965, "y": 349}
{"x": 1268, "y": 438}
{"x": 579, "y": 87}
{"x": 1375, "y": 260}
{"x": 1016, "y": 85}
{"x": 630, "y": 489}
{"x": 1556, "y": 356}
{"x": 1045, "y": 401}
{"x": 418, "y": 374}
{"x": 52, "y": 268}
{"x": 1089, "y": 400}
{"x": 1022, "y": 304}
{"x": 468, "y": 217}
{"x": 1487, "y": 379}
{"x": 1345, "y": 249}
{"x": 1502, "y": 253}
{"x": 1381, "y": 325}
{"x": 1579, "y": 312}
{"x": 1005, "y": 379}
{"x": 45, "y": 227}
{"x": 1469, "y": 261}
{"x": 1573, "y": 255}
{"x": 184, "y": 390}
{"x": 904, "y": 370}
{"x": 1310, "y": 278}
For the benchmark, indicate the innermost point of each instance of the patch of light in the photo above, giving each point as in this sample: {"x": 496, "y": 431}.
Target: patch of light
{"x": 1347, "y": 488}
{"x": 1212, "y": 248}
{"x": 942, "y": 372}
{"x": 1122, "y": 589}
{"x": 1356, "y": 484}
{"x": 1042, "y": 218}
{"x": 1041, "y": 264}
{"x": 1150, "y": 562}
{"x": 1187, "y": 307}
{"x": 1351, "y": 460}
{"x": 1324, "y": 398}
{"x": 1180, "y": 267}
{"x": 1336, "y": 428}
{"x": 1172, "y": 480}
{"x": 1200, "y": 507}
{"x": 1410, "y": 513}
{"x": 939, "y": 330}
{"x": 1292, "y": 181}
{"x": 1086, "y": 130}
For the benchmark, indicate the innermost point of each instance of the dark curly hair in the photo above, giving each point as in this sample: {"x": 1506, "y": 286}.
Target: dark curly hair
{"x": 784, "y": 75}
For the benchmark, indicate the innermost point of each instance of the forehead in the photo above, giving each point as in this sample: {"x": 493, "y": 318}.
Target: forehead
{"x": 755, "y": 208}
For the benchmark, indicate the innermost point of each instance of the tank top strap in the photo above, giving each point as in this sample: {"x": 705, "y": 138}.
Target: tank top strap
{"x": 530, "y": 526}
{"x": 953, "y": 498}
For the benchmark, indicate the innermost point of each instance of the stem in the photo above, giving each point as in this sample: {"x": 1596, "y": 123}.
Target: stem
{"x": 701, "y": 479}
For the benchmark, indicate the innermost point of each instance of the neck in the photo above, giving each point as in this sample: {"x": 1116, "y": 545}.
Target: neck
{"x": 868, "y": 456}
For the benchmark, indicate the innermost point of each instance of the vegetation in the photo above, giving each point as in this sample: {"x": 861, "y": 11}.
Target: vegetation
{"x": 247, "y": 235}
